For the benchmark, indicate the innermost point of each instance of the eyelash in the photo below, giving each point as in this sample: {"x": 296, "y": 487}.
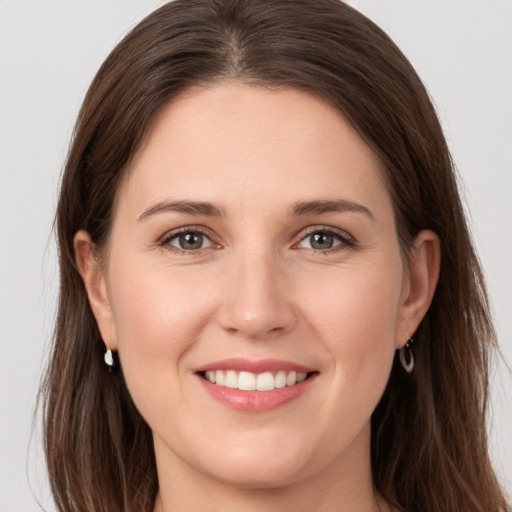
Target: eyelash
{"x": 346, "y": 240}
{"x": 165, "y": 241}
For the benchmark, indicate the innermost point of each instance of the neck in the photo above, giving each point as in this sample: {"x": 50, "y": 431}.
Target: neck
{"x": 298, "y": 499}
{"x": 345, "y": 485}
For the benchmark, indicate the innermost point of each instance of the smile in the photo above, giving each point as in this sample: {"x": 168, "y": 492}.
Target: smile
{"x": 255, "y": 385}
{"x": 248, "y": 381}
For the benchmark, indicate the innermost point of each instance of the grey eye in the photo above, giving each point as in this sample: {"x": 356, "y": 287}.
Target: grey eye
{"x": 321, "y": 241}
{"x": 190, "y": 241}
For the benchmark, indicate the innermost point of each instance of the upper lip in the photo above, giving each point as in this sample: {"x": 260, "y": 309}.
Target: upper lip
{"x": 254, "y": 366}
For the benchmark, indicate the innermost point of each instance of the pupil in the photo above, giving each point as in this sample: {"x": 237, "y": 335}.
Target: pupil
{"x": 191, "y": 241}
{"x": 322, "y": 241}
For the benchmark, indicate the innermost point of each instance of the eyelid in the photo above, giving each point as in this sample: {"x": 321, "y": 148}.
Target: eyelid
{"x": 347, "y": 240}
{"x": 164, "y": 240}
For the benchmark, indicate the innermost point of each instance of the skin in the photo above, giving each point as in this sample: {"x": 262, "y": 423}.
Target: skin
{"x": 257, "y": 289}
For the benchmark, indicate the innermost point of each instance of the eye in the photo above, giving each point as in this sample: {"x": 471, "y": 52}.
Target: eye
{"x": 325, "y": 240}
{"x": 189, "y": 240}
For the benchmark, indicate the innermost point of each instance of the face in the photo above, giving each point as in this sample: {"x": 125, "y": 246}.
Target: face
{"x": 254, "y": 245}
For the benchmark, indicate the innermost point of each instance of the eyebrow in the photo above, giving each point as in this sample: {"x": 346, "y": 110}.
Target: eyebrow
{"x": 328, "y": 206}
{"x": 299, "y": 208}
{"x": 190, "y": 207}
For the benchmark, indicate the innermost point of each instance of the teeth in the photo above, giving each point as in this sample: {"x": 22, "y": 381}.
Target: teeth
{"x": 265, "y": 382}
{"x": 219, "y": 378}
{"x": 280, "y": 381}
{"x": 291, "y": 378}
{"x": 231, "y": 379}
{"x": 247, "y": 381}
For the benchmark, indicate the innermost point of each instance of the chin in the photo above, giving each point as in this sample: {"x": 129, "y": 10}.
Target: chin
{"x": 243, "y": 474}
{"x": 257, "y": 464}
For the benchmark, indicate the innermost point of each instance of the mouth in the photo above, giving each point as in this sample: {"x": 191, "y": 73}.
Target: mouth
{"x": 249, "y": 381}
{"x": 255, "y": 386}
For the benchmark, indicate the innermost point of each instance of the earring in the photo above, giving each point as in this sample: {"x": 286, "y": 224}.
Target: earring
{"x": 109, "y": 358}
{"x": 406, "y": 357}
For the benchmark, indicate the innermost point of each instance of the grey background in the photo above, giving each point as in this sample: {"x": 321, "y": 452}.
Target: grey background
{"x": 49, "y": 52}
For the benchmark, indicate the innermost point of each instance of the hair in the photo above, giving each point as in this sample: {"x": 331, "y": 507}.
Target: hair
{"x": 428, "y": 443}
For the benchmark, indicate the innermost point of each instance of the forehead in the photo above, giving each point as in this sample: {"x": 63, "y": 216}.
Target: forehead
{"x": 234, "y": 143}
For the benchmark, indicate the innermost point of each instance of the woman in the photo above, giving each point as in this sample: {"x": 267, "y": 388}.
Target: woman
{"x": 261, "y": 238}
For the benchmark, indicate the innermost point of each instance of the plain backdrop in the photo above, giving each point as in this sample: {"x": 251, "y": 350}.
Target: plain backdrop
{"x": 50, "y": 51}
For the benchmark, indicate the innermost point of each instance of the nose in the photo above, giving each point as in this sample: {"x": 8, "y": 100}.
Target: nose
{"x": 257, "y": 297}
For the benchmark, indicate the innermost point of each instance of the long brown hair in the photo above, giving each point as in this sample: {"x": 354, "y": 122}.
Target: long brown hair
{"x": 429, "y": 445}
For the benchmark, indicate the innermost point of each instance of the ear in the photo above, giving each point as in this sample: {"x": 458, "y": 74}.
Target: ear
{"x": 96, "y": 286}
{"x": 419, "y": 284}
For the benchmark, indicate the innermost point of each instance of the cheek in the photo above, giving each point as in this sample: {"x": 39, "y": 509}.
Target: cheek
{"x": 356, "y": 318}
{"x": 157, "y": 319}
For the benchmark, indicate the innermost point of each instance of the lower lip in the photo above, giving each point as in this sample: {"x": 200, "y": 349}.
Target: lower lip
{"x": 256, "y": 401}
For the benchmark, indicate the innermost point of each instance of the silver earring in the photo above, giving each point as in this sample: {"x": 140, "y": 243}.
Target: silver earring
{"x": 109, "y": 358}
{"x": 406, "y": 357}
